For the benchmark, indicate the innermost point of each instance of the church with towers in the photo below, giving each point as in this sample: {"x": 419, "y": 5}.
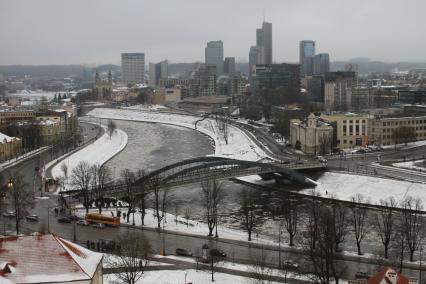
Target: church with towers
{"x": 102, "y": 90}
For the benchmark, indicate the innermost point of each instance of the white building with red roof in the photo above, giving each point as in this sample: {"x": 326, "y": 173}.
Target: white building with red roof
{"x": 47, "y": 259}
{"x": 386, "y": 276}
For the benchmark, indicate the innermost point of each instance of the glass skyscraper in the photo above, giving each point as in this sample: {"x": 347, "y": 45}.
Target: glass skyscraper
{"x": 306, "y": 56}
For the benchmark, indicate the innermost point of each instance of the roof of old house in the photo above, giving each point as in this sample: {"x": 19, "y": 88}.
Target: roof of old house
{"x": 45, "y": 259}
{"x": 383, "y": 277}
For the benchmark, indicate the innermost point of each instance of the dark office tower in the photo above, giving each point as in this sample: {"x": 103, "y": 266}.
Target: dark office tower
{"x": 214, "y": 55}
{"x": 264, "y": 43}
{"x": 306, "y": 56}
{"x": 158, "y": 71}
{"x": 284, "y": 79}
{"x": 229, "y": 66}
{"x": 321, "y": 64}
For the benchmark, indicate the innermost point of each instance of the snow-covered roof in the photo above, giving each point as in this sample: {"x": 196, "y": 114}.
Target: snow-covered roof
{"x": 45, "y": 259}
{"x": 8, "y": 138}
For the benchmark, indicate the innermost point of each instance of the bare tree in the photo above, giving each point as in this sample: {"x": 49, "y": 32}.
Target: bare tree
{"x": 248, "y": 210}
{"x": 412, "y": 223}
{"x": 340, "y": 215}
{"x": 314, "y": 207}
{"x": 142, "y": 194}
{"x": 64, "y": 169}
{"x": 212, "y": 195}
{"x": 21, "y": 200}
{"x": 214, "y": 261}
{"x": 323, "y": 256}
{"x": 111, "y": 127}
{"x": 131, "y": 258}
{"x": 187, "y": 214}
{"x": 101, "y": 177}
{"x": 262, "y": 273}
{"x": 404, "y": 134}
{"x": 290, "y": 213}
{"x": 385, "y": 223}
{"x": 324, "y": 143}
{"x": 359, "y": 216}
{"x": 128, "y": 178}
{"x": 156, "y": 190}
{"x": 81, "y": 176}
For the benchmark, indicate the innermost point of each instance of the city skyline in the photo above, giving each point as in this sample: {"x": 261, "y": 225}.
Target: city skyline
{"x": 77, "y": 32}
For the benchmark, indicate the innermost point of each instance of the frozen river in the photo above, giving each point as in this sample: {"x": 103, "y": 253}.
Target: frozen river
{"x": 152, "y": 146}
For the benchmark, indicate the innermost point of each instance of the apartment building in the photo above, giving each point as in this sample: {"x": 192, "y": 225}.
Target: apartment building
{"x": 382, "y": 128}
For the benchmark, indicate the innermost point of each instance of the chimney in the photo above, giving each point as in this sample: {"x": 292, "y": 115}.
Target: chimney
{"x": 391, "y": 275}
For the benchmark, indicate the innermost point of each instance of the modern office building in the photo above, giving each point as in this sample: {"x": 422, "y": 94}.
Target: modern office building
{"x": 214, "y": 55}
{"x": 204, "y": 81}
{"x": 158, "y": 71}
{"x": 321, "y": 64}
{"x": 283, "y": 77}
{"x": 255, "y": 57}
{"x": 306, "y": 56}
{"x": 133, "y": 68}
{"x": 337, "y": 90}
{"x": 229, "y": 66}
{"x": 264, "y": 42}
{"x": 315, "y": 88}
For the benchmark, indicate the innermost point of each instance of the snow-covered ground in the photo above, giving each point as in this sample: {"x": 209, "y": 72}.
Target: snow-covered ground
{"x": 344, "y": 186}
{"x": 194, "y": 227}
{"x": 179, "y": 276}
{"x": 408, "y": 146}
{"x": 146, "y": 107}
{"x": 239, "y": 145}
{"x": 412, "y": 165}
{"x": 99, "y": 152}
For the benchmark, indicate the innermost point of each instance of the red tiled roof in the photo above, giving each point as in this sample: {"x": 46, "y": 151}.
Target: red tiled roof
{"x": 45, "y": 258}
{"x": 383, "y": 275}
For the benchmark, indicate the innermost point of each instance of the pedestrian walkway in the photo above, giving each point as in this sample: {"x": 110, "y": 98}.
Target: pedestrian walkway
{"x": 23, "y": 157}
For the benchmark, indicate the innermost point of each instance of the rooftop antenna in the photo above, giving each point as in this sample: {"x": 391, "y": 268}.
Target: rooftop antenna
{"x": 263, "y": 14}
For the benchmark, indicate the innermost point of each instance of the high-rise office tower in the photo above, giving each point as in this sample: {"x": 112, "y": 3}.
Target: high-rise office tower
{"x": 264, "y": 42}
{"x": 158, "y": 71}
{"x": 204, "y": 81}
{"x": 133, "y": 68}
{"x": 321, "y": 64}
{"x": 306, "y": 56}
{"x": 214, "y": 55}
{"x": 229, "y": 66}
{"x": 285, "y": 77}
{"x": 255, "y": 57}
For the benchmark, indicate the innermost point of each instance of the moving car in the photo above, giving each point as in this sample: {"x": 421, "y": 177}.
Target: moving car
{"x": 98, "y": 225}
{"x": 183, "y": 252}
{"x": 362, "y": 275}
{"x": 9, "y": 214}
{"x": 290, "y": 264}
{"x": 32, "y": 217}
{"x": 83, "y": 223}
{"x": 64, "y": 220}
{"x": 217, "y": 252}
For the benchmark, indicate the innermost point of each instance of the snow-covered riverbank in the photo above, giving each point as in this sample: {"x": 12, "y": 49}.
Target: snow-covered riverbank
{"x": 99, "y": 152}
{"x": 239, "y": 146}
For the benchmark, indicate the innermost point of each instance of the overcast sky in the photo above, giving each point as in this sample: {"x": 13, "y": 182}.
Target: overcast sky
{"x": 97, "y": 31}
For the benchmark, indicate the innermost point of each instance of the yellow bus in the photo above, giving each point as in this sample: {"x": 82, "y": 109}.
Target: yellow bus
{"x": 99, "y": 218}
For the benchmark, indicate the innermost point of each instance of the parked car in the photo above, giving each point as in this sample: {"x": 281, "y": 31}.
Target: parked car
{"x": 32, "y": 217}
{"x": 290, "y": 264}
{"x": 64, "y": 220}
{"x": 217, "y": 252}
{"x": 98, "y": 225}
{"x": 362, "y": 275}
{"x": 83, "y": 223}
{"x": 9, "y": 214}
{"x": 183, "y": 252}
